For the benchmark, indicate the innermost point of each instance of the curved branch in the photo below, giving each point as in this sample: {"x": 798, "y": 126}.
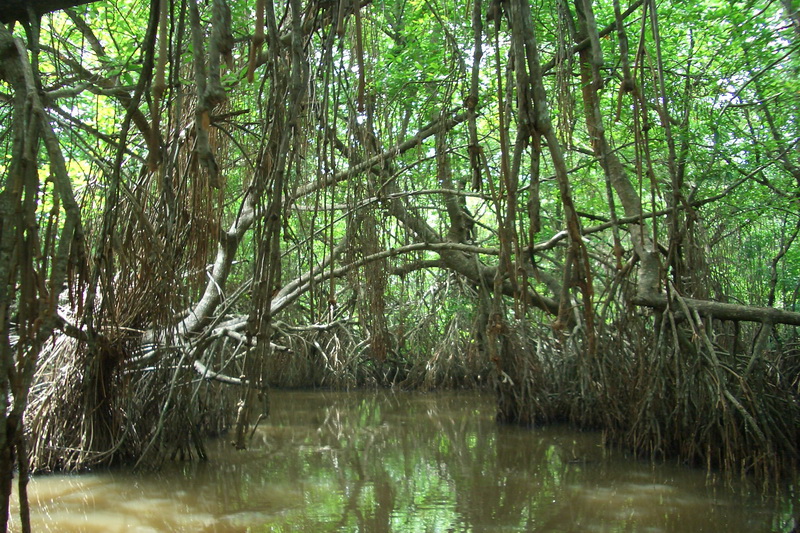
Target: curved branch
{"x": 226, "y": 250}
{"x": 429, "y": 130}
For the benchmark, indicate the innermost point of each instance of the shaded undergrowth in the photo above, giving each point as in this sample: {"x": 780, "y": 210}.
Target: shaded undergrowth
{"x": 665, "y": 389}
{"x": 109, "y": 405}
{"x": 704, "y": 393}
{"x": 118, "y": 402}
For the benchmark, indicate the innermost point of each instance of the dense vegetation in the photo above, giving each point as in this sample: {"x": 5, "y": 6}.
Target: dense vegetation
{"x": 591, "y": 207}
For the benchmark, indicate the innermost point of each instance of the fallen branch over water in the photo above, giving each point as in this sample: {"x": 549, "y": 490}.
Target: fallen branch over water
{"x": 723, "y": 311}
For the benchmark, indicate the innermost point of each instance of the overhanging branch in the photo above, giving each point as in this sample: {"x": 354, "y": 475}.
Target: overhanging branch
{"x": 11, "y": 10}
{"x": 723, "y": 311}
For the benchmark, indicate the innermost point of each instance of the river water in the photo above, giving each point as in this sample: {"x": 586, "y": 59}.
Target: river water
{"x": 405, "y": 462}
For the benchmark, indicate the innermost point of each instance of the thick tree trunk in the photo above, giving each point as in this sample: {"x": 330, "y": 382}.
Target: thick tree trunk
{"x": 21, "y": 271}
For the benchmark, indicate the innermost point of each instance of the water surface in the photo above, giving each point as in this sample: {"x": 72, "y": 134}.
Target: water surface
{"x": 405, "y": 462}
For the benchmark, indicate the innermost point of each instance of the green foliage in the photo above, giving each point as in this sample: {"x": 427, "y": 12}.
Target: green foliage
{"x": 177, "y": 190}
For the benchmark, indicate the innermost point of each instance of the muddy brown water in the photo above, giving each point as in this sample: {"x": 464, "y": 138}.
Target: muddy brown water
{"x": 406, "y": 462}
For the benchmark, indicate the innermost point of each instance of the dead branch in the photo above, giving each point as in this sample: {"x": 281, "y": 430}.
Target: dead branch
{"x": 723, "y": 311}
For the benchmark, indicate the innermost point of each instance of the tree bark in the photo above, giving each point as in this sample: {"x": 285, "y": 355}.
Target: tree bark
{"x": 723, "y": 311}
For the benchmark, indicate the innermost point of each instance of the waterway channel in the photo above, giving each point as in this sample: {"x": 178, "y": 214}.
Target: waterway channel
{"x": 406, "y": 462}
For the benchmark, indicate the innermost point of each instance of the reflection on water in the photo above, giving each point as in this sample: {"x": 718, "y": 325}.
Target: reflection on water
{"x": 381, "y": 462}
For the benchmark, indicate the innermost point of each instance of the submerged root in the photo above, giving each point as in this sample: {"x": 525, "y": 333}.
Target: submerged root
{"x": 91, "y": 408}
{"x": 677, "y": 395}
{"x": 454, "y": 361}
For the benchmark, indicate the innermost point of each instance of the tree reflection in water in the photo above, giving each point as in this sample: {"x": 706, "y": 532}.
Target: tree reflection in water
{"x": 390, "y": 462}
